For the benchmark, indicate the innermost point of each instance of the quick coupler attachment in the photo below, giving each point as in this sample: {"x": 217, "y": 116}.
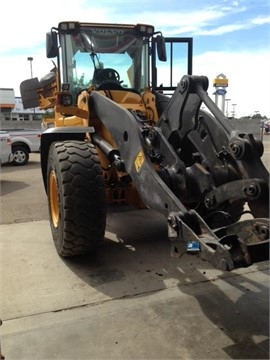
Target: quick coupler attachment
{"x": 251, "y": 235}
{"x": 234, "y": 246}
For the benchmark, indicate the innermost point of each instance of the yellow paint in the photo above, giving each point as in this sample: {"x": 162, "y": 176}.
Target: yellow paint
{"x": 139, "y": 161}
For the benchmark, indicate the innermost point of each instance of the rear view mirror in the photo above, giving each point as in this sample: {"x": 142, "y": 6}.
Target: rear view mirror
{"x": 161, "y": 48}
{"x": 51, "y": 44}
{"x": 29, "y": 94}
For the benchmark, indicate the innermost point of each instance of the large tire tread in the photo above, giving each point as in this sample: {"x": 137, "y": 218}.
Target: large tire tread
{"x": 82, "y": 197}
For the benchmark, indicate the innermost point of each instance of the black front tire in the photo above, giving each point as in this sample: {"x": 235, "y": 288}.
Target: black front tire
{"x": 21, "y": 155}
{"x": 76, "y": 197}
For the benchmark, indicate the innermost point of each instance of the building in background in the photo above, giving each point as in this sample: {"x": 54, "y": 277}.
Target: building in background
{"x": 12, "y": 113}
{"x": 7, "y": 101}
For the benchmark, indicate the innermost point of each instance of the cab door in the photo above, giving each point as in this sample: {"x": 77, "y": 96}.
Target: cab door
{"x": 166, "y": 75}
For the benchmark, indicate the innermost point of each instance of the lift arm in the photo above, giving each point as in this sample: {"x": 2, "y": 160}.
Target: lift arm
{"x": 193, "y": 157}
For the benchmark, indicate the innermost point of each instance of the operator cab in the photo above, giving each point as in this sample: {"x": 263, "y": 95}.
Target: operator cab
{"x": 106, "y": 56}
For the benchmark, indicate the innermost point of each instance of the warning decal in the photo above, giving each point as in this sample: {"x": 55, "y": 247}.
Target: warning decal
{"x": 139, "y": 161}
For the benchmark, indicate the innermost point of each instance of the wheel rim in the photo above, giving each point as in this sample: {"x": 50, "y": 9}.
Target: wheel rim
{"x": 19, "y": 156}
{"x": 54, "y": 199}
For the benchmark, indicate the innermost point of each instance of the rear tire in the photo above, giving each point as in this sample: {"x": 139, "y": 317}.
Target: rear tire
{"x": 76, "y": 197}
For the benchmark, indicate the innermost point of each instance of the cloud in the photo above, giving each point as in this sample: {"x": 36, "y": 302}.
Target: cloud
{"x": 14, "y": 70}
{"x": 202, "y": 22}
{"x": 246, "y": 72}
{"x": 223, "y": 29}
{"x": 190, "y": 21}
{"x": 206, "y": 22}
{"x": 260, "y": 20}
{"x": 30, "y": 29}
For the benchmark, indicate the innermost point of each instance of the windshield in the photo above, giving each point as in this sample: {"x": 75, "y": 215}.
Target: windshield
{"x": 108, "y": 56}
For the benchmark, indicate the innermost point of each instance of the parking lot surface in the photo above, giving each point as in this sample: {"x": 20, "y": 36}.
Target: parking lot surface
{"x": 132, "y": 300}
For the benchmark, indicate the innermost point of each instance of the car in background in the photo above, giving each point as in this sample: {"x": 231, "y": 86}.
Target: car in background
{"x": 6, "y": 155}
{"x": 24, "y": 142}
{"x": 266, "y": 126}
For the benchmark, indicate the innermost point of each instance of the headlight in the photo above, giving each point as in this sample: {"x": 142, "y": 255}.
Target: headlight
{"x": 68, "y": 27}
{"x": 64, "y": 99}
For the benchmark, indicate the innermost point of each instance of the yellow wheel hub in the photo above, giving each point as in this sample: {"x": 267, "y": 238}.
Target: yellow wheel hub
{"x": 54, "y": 199}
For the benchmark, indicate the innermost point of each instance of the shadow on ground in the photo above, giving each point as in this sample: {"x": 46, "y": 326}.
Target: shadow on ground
{"x": 235, "y": 303}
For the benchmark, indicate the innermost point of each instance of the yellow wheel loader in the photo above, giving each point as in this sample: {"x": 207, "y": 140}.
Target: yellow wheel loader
{"x": 131, "y": 124}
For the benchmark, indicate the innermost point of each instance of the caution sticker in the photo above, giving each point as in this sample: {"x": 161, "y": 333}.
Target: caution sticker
{"x": 139, "y": 161}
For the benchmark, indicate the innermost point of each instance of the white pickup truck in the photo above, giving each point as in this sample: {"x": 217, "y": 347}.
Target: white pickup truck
{"x": 24, "y": 142}
{"x": 6, "y": 155}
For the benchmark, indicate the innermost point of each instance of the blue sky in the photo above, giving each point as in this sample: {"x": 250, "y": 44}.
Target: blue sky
{"x": 230, "y": 37}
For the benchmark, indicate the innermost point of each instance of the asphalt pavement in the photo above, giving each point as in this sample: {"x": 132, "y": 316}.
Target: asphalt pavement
{"x": 132, "y": 300}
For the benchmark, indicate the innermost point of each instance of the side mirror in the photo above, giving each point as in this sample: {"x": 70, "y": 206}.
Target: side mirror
{"x": 161, "y": 48}
{"x": 51, "y": 44}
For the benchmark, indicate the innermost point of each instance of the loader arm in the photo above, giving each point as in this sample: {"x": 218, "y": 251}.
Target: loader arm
{"x": 218, "y": 144}
{"x": 178, "y": 174}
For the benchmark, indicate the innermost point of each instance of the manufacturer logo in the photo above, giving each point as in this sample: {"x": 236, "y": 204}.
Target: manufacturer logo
{"x": 221, "y": 92}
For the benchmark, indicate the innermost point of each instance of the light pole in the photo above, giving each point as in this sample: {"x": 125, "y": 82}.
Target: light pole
{"x": 233, "y": 112}
{"x": 31, "y": 68}
{"x": 30, "y": 59}
{"x": 227, "y": 107}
